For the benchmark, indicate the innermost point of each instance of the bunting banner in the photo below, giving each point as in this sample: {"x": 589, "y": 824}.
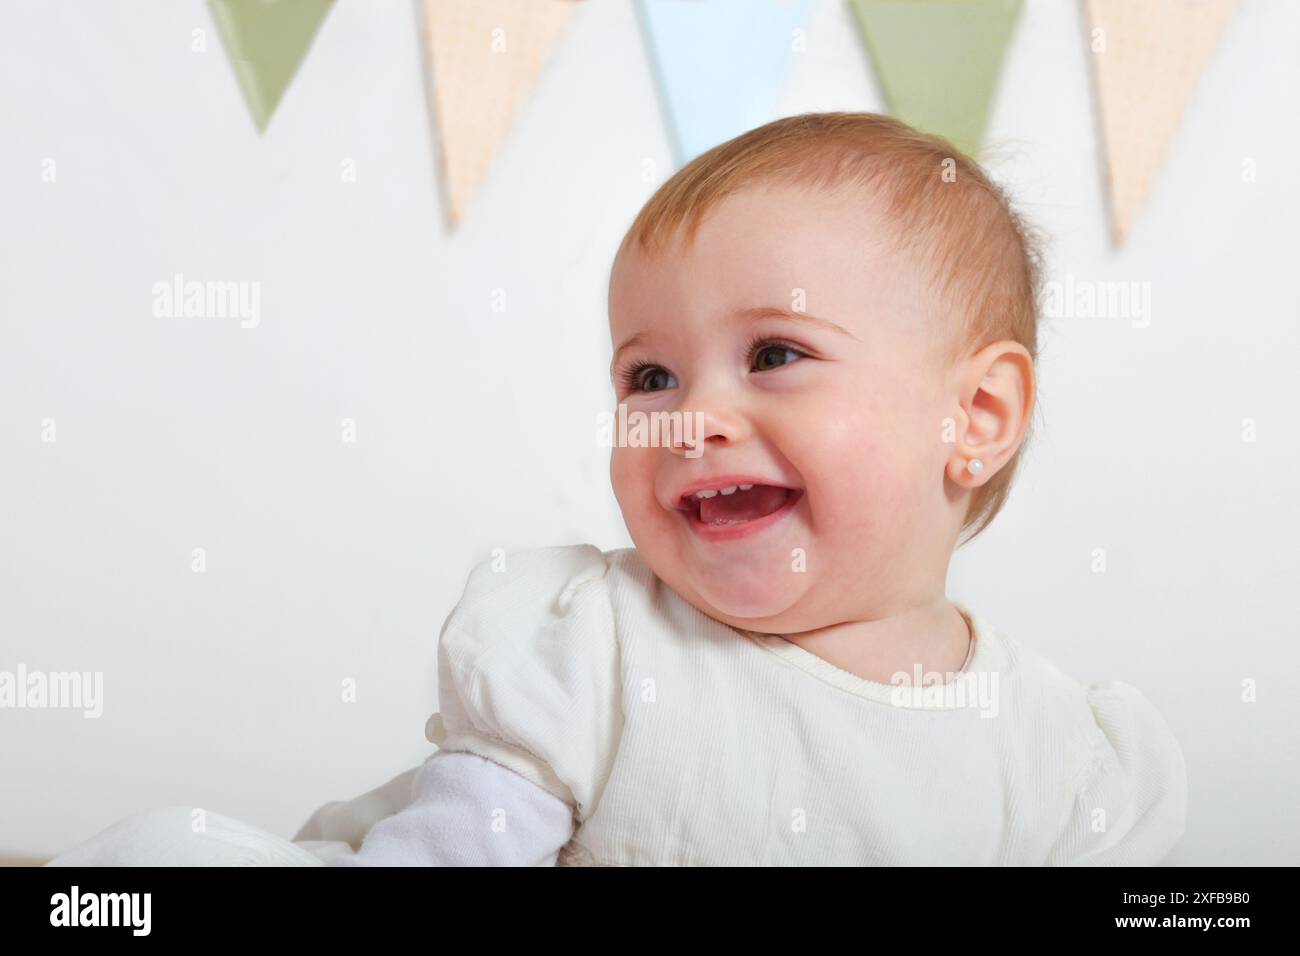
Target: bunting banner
{"x": 720, "y": 66}
{"x": 484, "y": 58}
{"x": 266, "y": 41}
{"x": 1148, "y": 57}
{"x": 938, "y": 61}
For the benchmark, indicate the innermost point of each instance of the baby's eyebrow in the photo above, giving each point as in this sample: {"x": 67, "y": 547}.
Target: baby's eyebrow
{"x": 750, "y": 314}
{"x": 774, "y": 312}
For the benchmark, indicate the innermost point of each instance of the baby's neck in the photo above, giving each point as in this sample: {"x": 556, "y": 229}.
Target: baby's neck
{"x": 934, "y": 637}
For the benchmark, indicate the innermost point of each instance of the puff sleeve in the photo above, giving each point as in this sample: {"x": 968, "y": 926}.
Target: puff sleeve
{"x": 528, "y": 671}
{"x": 1130, "y": 808}
{"x": 458, "y": 802}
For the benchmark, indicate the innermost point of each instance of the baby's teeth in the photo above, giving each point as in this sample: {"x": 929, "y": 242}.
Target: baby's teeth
{"x": 729, "y": 491}
{"x": 745, "y": 487}
{"x": 705, "y": 494}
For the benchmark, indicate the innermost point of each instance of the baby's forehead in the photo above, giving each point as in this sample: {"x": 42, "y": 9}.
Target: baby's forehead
{"x": 794, "y": 224}
{"x": 774, "y": 246}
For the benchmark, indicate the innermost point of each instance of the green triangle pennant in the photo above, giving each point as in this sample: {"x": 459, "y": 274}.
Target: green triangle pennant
{"x": 939, "y": 60}
{"x": 267, "y": 41}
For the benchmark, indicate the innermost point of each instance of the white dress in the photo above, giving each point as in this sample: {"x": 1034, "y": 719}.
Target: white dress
{"x": 591, "y": 716}
{"x": 674, "y": 739}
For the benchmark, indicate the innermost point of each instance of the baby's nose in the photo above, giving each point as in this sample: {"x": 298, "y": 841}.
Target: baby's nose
{"x": 701, "y": 430}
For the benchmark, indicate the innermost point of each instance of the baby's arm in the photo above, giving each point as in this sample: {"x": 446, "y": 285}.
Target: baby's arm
{"x": 468, "y": 811}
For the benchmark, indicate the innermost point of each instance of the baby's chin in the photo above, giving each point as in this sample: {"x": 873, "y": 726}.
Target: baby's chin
{"x": 744, "y": 597}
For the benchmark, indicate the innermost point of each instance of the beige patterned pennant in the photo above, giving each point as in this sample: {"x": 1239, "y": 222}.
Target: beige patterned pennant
{"x": 1148, "y": 55}
{"x": 485, "y": 57}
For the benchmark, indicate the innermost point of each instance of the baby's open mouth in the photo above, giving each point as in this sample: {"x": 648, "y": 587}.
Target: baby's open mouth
{"x": 736, "y": 504}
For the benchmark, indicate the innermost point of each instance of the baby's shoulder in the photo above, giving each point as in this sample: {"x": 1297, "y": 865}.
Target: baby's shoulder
{"x": 1108, "y": 755}
{"x": 1080, "y": 722}
{"x": 528, "y": 669}
{"x": 1040, "y": 691}
{"x": 523, "y": 605}
{"x": 1037, "y": 682}
{"x": 518, "y": 591}
{"x": 508, "y": 581}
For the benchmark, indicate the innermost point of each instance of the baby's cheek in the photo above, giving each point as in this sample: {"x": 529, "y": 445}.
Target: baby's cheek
{"x": 837, "y": 452}
{"x": 861, "y": 486}
{"x": 629, "y": 470}
{"x": 857, "y": 494}
{"x": 631, "y": 473}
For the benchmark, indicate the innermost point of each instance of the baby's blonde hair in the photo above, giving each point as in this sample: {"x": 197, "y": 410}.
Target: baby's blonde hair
{"x": 983, "y": 256}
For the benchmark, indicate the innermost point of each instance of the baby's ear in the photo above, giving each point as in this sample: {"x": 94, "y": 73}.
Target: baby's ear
{"x": 996, "y": 393}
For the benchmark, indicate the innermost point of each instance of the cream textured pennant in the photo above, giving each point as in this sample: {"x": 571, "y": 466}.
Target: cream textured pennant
{"x": 485, "y": 57}
{"x": 1148, "y": 55}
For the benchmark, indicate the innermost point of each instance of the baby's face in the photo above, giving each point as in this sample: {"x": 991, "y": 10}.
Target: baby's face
{"x": 837, "y": 423}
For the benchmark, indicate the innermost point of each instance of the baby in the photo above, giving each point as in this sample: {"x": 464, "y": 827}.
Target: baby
{"x": 774, "y": 674}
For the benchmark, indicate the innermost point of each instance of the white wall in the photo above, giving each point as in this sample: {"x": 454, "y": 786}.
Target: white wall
{"x": 328, "y": 561}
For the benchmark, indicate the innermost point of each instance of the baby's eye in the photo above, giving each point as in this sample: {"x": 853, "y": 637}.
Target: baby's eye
{"x": 650, "y": 378}
{"x": 774, "y": 355}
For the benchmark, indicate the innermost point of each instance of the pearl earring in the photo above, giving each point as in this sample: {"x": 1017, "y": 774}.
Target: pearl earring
{"x": 975, "y": 466}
